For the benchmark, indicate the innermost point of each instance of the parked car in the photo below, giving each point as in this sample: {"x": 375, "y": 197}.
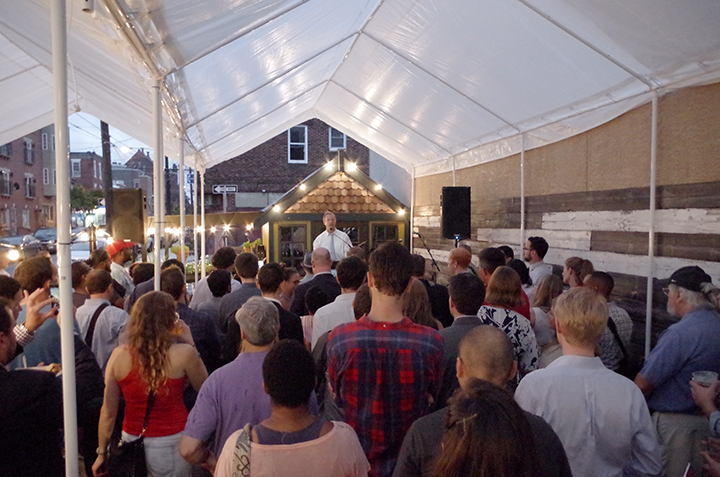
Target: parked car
{"x": 48, "y": 238}
{"x": 26, "y": 246}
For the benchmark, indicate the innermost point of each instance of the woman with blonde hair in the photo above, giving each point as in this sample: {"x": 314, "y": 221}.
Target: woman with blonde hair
{"x": 503, "y": 294}
{"x": 549, "y": 288}
{"x": 575, "y": 271}
{"x": 416, "y": 306}
{"x": 158, "y": 357}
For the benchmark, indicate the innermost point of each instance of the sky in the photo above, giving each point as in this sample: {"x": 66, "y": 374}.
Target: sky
{"x": 85, "y": 136}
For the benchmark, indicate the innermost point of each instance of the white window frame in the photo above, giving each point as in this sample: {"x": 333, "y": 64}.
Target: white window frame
{"x": 330, "y": 139}
{"x": 5, "y": 183}
{"x": 99, "y": 166}
{"x": 46, "y": 176}
{"x": 53, "y": 142}
{"x": 303, "y": 144}
{"x": 72, "y": 167}
{"x": 25, "y": 218}
{"x": 29, "y": 157}
{"x": 44, "y": 141}
{"x": 54, "y": 176}
{"x": 95, "y": 169}
{"x": 30, "y": 192}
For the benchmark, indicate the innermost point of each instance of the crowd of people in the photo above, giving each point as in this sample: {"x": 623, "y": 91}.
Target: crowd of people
{"x": 363, "y": 367}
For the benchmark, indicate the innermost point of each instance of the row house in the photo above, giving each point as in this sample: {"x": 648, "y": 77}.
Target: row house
{"x": 23, "y": 205}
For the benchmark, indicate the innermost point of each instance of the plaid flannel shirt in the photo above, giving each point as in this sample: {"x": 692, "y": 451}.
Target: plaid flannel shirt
{"x": 383, "y": 376}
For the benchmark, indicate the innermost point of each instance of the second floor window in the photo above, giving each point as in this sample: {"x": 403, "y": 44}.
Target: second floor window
{"x": 29, "y": 186}
{"x": 75, "y": 167}
{"x": 46, "y": 176}
{"x": 337, "y": 139}
{"x": 5, "y": 184}
{"x": 29, "y": 156}
{"x": 44, "y": 141}
{"x": 6, "y": 150}
{"x": 297, "y": 145}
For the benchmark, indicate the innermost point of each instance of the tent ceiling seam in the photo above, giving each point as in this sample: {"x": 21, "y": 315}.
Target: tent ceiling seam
{"x": 281, "y": 105}
{"x": 384, "y": 113}
{"x": 125, "y": 25}
{"x": 237, "y": 37}
{"x": 649, "y": 82}
{"x": 452, "y": 88}
{"x": 285, "y": 72}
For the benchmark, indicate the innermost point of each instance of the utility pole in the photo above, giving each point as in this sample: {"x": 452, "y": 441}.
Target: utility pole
{"x": 107, "y": 176}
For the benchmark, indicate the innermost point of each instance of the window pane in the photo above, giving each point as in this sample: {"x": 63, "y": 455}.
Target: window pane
{"x": 297, "y": 134}
{"x": 297, "y": 153}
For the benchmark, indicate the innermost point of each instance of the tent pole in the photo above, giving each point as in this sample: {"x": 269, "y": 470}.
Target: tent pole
{"x": 453, "y": 164}
{"x": 522, "y": 192}
{"x": 195, "y": 223}
{"x": 202, "y": 225}
{"x": 651, "y": 227}
{"x": 181, "y": 193}
{"x": 59, "y": 61}
{"x": 412, "y": 212}
{"x": 158, "y": 177}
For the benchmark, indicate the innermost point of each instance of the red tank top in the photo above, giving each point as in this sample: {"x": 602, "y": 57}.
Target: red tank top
{"x": 168, "y": 414}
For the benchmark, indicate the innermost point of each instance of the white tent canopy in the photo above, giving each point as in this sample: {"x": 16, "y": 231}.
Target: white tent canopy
{"x": 429, "y": 84}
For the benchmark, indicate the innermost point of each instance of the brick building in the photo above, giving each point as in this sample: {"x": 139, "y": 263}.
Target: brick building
{"x": 142, "y": 162}
{"x": 22, "y": 201}
{"x": 86, "y": 169}
{"x": 263, "y": 174}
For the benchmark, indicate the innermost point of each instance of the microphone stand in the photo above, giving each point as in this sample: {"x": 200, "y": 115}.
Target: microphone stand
{"x": 429, "y": 253}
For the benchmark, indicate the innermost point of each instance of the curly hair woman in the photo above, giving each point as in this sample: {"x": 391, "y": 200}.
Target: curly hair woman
{"x": 159, "y": 355}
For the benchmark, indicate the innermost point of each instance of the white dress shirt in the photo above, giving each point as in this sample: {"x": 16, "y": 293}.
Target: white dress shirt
{"x": 329, "y": 316}
{"x": 600, "y": 416}
{"x": 538, "y": 271}
{"x": 108, "y": 327}
{"x": 338, "y": 243}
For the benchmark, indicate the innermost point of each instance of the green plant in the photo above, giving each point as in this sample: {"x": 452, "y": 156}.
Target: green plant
{"x": 247, "y": 244}
{"x": 257, "y": 243}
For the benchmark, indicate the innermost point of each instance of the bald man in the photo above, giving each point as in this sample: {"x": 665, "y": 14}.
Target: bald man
{"x": 322, "y": 278}
{"x": 485, "y": 353}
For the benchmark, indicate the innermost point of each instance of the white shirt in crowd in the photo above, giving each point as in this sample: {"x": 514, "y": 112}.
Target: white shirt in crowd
{"x": 600, "y": 416}
{"x": 329, "y": 316}
{"x": 122, "y": 276}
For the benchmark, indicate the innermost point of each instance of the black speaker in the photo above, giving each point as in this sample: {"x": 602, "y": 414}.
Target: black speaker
{"x": 455, "y": 203}
{"x": 128, "y": 220}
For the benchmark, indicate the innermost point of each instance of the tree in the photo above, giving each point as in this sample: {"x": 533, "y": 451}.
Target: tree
{"x": 84, "y": 200}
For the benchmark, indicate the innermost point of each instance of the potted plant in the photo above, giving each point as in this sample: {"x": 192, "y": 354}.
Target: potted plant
{"x": 247, "y": 246}
{"x": 259, "y": 249}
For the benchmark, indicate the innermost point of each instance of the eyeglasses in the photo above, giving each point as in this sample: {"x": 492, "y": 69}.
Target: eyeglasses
{"x": 527, "y": 248}
{"x": 666, "y": 291}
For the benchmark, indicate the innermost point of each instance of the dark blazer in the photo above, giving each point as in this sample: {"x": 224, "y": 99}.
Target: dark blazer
{"x": 451, "y": 338}
{"x": 31, "y": 417}
{"x": 326, "y": 282}
{"x": 290, "y": 325}
{"x": 204, "y": 334}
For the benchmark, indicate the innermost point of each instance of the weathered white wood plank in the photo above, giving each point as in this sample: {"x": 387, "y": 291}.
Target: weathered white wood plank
{"x": 427, "y": 221}
{"x": 685, "y": 221}
{"x": 574, "y": 240}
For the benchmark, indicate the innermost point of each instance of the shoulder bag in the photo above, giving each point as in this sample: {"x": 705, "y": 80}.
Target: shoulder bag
{"x": 127, "y": 459}
{"x": 241, "y": 454}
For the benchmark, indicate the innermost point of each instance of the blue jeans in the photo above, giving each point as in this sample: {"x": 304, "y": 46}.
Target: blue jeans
{"x": 162, "y": 456}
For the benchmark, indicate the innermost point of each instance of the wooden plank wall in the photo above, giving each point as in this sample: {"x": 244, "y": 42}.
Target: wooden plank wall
{"x": 589, "y": 197}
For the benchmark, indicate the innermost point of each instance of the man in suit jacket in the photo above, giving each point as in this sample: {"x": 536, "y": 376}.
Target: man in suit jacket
{"x": 323, "y": 278}
{"x": 31, "y": 414}
{"x": 269, "y": 279}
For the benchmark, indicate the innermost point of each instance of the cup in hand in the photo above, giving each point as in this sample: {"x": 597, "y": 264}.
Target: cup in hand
{"x": 705, "y": 378}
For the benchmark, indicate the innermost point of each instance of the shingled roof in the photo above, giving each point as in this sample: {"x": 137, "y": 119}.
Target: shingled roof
{"x": 340, "y": 194}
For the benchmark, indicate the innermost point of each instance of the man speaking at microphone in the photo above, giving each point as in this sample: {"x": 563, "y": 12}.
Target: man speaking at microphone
{"x": 336, "y": 241}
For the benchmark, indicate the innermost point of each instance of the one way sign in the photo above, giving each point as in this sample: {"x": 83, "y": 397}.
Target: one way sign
{"x": 224, "y": 188}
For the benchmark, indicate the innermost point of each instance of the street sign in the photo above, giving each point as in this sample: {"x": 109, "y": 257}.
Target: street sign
{"x": 224, "y": 188}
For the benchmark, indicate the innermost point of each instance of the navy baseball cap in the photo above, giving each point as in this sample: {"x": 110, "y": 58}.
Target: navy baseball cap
{"x": 690, "y": 278}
